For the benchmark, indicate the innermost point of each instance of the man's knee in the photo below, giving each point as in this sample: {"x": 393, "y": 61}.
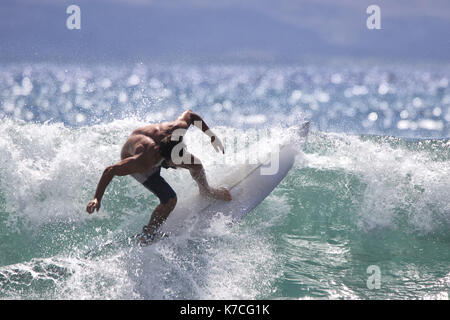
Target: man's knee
{"x": 171, "y": 203}
{"x": 196, "y": 170}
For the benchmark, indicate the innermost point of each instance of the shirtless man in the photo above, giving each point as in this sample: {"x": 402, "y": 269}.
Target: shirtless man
{"x": 147, "y": 150}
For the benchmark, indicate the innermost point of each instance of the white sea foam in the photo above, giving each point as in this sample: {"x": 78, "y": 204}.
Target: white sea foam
{"x": 401, "y": 185}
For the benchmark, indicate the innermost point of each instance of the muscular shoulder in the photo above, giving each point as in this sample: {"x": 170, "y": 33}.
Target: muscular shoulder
{"x": 166, "y": 128}
{"x": 185, "y": 116}
{"x": 184, "y": 120}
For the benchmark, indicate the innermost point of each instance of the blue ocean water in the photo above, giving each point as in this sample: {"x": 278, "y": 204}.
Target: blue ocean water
{"x": 370, "y": 188}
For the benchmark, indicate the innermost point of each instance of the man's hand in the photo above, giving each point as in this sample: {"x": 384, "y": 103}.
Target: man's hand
{"x": 217, "y": 144}
{"x": 92, "y": 205}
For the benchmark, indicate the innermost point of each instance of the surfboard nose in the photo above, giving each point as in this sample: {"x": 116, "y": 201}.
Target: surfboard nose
{"x": 299, "y": 132}
{"x": 304, "y": 129}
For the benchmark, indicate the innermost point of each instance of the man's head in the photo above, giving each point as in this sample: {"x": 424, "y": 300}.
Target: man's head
{"x": 166, "y": 146}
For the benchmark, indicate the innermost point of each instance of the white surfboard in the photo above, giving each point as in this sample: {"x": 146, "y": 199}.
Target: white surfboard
{"x": 249, "y": 185}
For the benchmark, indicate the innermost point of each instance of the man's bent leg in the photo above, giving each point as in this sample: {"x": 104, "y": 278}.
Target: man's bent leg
{"x": 197, "y": 172}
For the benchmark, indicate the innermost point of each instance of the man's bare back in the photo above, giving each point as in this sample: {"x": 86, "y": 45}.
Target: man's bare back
{"x": 147, "y": 138}
{"x": 146, "y": 150}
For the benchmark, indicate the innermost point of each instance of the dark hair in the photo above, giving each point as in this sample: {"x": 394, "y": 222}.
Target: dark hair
{"x": 166, "y": 146}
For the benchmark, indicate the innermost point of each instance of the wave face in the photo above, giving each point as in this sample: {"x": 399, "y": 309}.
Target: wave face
{"x": 352, "y": 200}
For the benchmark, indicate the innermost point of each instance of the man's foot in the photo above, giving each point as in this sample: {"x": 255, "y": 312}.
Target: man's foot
{"x": 143, "y": 239}
{"x": 147, "y": 236}
{"x": 217, "y": 193}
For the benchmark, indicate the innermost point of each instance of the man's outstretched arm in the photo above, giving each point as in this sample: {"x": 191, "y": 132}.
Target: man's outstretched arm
{"x": 191, "y": 118}
{"x": 125, "y": 167}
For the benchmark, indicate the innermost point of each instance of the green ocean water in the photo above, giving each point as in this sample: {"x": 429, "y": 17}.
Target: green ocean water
{"x": 350, "y": 205}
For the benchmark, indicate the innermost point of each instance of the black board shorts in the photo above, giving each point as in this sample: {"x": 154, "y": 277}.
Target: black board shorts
{"x": 153, "y": 181}
{"x": 156, "y": 184}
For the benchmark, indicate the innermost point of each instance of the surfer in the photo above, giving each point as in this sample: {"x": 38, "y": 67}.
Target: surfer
{"x": 160, "y": 145}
